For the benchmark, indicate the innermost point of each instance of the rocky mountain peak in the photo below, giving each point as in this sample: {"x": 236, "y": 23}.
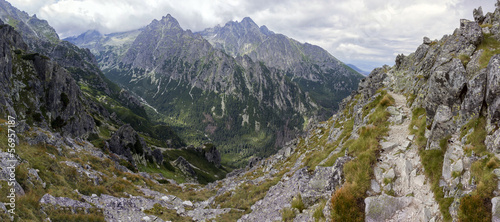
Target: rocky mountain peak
{"x": 248, "y": 23}
{"x": 88, "y": 36}
{"x": 168, "y": 22}
{"x": 30, "y": 27}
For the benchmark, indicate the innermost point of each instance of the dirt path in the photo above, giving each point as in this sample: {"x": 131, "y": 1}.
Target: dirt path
{"x": 399, "y": 171}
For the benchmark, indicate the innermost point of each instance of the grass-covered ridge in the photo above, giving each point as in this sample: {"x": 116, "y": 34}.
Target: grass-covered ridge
{"x": 62, "y": 180}
{"x": 348, "y": 201}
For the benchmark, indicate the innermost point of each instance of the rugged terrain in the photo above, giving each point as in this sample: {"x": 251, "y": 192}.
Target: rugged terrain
{"x": 248, "y": 99}
{"x": 418, "y": 141}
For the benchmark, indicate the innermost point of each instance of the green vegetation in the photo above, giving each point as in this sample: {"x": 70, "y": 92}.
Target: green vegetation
{"x": 288, "y": 214}
{"x": 66, "y": 215}
{"x": 209, "y": 172}
{"x": 432, "y": 160}
{"x": 465, "y": 59}
{"x": 348, "y": 201}
{"x": 166, "y": 214}
{"x": 491, "y": 47}
{"x": 475, "y": 208}
{"x": 246, "y": 195}
{"x": 318, "y": 212}
{"x": 477, "y": 205}
{"x": 346, "y": 206}
{"x": 61, "y": 181}
{"x": 297, "y": 203}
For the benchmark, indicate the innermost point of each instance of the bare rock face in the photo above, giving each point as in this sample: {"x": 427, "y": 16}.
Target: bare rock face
{"x": 493, "y": 89}
{"x": 48, "y": 199}
{"x": 441, "y": 127}
{"x": 495, "y": 209}
{"x": 382, "y": 208}
{"x": 471, "y": 31}
{"x": 38, "y": 90}
{"x": 126, "y": 141}
{"x": 212, "y": 154}
{"x": 478, "y": 15}
{"x": 184, "y": 166}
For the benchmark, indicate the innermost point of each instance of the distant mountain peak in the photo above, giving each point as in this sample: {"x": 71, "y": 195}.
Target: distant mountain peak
{"x": 169, "y": 21}
{"x": 249, "y": 21}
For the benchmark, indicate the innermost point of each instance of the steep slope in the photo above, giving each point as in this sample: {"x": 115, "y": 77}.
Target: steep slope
{"x": 59, "y": 88}
{"x": 242, "y": 104}
{"x": 48, "y": 162}
{"x": 432, "y": 156}
{"x": 326, "y": 79}
{"x": 107, "y": 97}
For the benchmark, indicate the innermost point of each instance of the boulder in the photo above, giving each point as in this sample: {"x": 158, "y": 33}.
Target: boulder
{"x": 441, "y": 127}
{"x": 493, "y": 142}
{"x": 473, "y": 96}
{"x": 427, "y": 41}
{"x": 375, "y": 186}
{"x": 471, "y": 31}
{"x": 388, "y": 146}
{"x": 493, "y": 89}
{"x": 446, "y": 84}
{"x": 495, "y": 211}
{"x": 126, "y": 141}
{"x": 158, "y": 156}
{"x": 184, "y": 166}
{"x": 212, "y": 154}
{"x": 478, "y": 15}
{"x": 382, "y": 208}
{"x": 253, "y": 162}
{"x": 64, "y": 202}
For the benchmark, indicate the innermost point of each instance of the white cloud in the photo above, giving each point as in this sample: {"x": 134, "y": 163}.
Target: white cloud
{"x": 367, "y": 33}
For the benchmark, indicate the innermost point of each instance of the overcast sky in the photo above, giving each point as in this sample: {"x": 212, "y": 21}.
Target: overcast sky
{"x": 366, "y": 33}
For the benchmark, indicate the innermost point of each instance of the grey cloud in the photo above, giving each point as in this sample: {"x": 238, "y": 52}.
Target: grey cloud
{"x": 367, "y": 33}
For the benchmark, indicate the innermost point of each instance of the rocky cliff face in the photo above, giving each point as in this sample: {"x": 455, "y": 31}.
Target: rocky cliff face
{"x": 416, "y": 141}
{"x": 313, "y": 68}
{"x": 39, "y": 91}
{"x": 183, "y": 76}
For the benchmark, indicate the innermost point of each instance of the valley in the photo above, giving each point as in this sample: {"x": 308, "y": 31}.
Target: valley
{"x": 239, "y": 123}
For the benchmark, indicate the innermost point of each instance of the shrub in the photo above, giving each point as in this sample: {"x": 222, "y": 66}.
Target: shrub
{"x": 346, "y": 206}
{"x": 475, "y": 208}
{"x": 297, "y": 203}
{"x": 288, "y": 214}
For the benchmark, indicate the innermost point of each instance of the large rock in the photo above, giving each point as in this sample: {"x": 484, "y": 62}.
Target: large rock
{"x": 493, "y": 142}
{"x": 495, "y": 211}
{"x": 471, "y": 31}
{"x": 382, "y": 208}
{"x": 48, "y": 199}
{"x": 441, "y": 126}
{"x": 126, "y": 141}
{"x": 212, "y": 154}
{"x": 49, "y": 95}
{"x": 478, "y": 15}
{"x": 184, "y": 166}
{"x": 445, "y": 86}
{"x": 473, "y": 96}
{"x": 493, "y": 89}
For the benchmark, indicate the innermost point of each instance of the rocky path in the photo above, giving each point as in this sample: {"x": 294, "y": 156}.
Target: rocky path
{"x": 399, "y": 173}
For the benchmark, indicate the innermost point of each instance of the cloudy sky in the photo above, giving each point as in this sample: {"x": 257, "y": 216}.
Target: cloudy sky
{"x": 367, "y": 33}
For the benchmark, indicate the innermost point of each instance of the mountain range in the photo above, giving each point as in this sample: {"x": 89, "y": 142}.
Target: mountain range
{"x": 417, "y": 141}
{"x": 241, "y": 86}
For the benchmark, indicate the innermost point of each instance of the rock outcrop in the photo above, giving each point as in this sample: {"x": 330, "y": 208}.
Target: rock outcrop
{"x": 127, "y": 142}
{"x": 212, "y": 154}
{"x": 38, "y": 90}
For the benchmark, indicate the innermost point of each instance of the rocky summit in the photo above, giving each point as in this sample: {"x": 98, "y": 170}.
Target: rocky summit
{"x": 248, "y": 102}
{"x": 418, "y": 141}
